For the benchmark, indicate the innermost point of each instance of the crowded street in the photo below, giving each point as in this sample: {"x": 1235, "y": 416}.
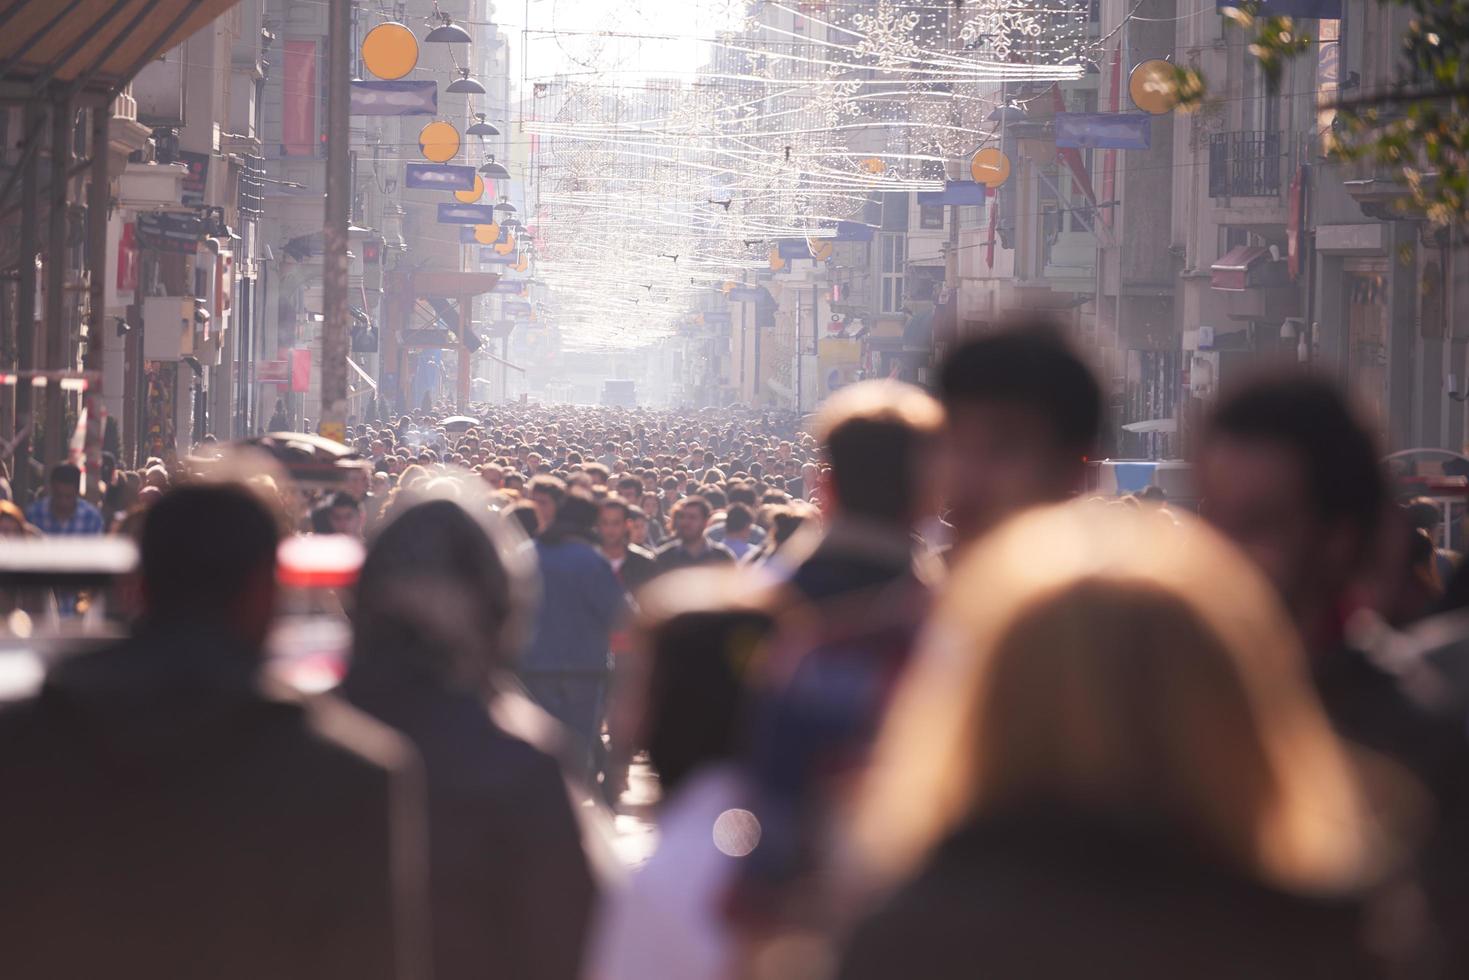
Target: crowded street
{"x": 734, "y": 490}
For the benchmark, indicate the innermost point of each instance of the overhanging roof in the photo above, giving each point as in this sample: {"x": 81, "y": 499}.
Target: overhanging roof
{"x": 102, "y": 43}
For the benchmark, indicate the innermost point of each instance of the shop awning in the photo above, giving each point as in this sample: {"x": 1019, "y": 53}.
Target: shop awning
{"x": 101, "y": 43}
{"x": 1233, "y": 270}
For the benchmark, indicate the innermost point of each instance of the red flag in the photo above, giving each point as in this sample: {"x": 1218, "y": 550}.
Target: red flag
{"x": 989, "y": 251}
{"x": 1072, "y": 156}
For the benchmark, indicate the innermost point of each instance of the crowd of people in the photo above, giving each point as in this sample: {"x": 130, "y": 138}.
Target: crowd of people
{"x": 918, "y": 703}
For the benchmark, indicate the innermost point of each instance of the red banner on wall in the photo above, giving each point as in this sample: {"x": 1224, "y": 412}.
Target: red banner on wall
{"x": 301, "y": 369}
{"x": 299, "y": 96}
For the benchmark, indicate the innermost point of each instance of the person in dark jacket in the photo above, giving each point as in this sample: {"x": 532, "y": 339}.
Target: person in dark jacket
{"x": 689, "y": 548}
{"x": 439, "y": 613}
{"x": 1290, "y": 475}
{"x": 1109, "y": 764}
{"x": 169, "y": 813}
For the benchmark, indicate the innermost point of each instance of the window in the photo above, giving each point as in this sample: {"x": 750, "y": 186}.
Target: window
{"x": 931, "y": 216}
{"x": 895, "y": 212}
{"x": 894, "y": 266}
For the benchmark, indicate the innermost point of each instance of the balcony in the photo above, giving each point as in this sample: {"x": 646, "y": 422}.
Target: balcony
{"x": 1245, "y": 164}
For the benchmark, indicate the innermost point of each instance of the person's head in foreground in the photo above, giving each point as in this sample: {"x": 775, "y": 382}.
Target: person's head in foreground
{"x": 1287, "y": 472}
{"x": 1138, "y": 677}
{"x": 697, "y": 632}
{"x": 441, "y": 599}
{"x": 208, "y": 560}
{"x": 1022, "y": 414}
{"x": 878, "y": 437}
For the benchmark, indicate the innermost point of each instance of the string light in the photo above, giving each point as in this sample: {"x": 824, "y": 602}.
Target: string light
{"x": 653, "y": 191}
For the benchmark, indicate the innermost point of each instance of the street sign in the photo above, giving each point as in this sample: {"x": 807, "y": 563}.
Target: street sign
{"x": 990, "y": 167}
{"x": 1103, "y": 130}
{"x": 438, "y": 177}
{"x": 962, "y": 192}
{"x": 466, "y": 214}
{"x": 395, "y": 98}
{"x": 1153, "y": 86}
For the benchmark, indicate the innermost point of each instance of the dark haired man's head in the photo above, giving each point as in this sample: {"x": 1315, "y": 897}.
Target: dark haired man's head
{"x": 696, "y": 692}
{"x": 630, "y": 487}
{"x": 690, "y": 517}
{"x": 738, "y": 519}
{"x": 208, "y": 556}
{"x": 715, "y": 496}
{"x": 1023, "y": 413}
{"x": 344, "y": 512}
{"x": 1289, "y": 474}
{"x": 65, "y": 487}
{"x": 878, "y": 437}
{"x": 575, "y": 518}
{"x": 547, "y": 493}
{"x": 614, "y": 525}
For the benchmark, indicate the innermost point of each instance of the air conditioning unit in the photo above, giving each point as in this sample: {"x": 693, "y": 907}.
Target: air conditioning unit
{"x": 152, "y": 186}
{"x": 168, "y": 327}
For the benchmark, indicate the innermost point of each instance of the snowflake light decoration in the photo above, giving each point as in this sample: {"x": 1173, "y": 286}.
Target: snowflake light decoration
{"x": 887, "y": 36}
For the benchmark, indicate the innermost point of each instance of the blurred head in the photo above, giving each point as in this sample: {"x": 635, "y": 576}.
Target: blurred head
{"x": 1143, "y": 674}
{"x": 690, "y": 517}
{"x": 738, "y": 520}
{"x": 442, "y": 598}
{"x": 879, "y": 437}
{"x": 637, "y": 525}
{"x": 547, "y": 493}
{"x": 65, "y": 486}
{"x": 1288, "y": 474}
{"x": 208, "y": 557}
{"x": 356, "y": 480}
{"x": 344, "y": 514}
{"x": 13, "y": 522}
{"x": 696, "y": 636}
{"x": 1022, "y": 413}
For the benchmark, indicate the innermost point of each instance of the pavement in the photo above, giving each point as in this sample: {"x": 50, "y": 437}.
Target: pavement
{"x": 635, "y": 834}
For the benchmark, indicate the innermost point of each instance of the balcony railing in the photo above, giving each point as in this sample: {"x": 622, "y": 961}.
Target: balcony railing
{"x": 125, "y": 106}
{"x": 1244, "y": 164}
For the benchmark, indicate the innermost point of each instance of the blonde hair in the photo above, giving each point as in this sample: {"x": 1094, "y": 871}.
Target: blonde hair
{"x": 1109, "y": 662}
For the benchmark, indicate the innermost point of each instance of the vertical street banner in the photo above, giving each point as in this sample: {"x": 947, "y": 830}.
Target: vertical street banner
{"x": 300, "y": 94}
{"x": 196, "y": 181}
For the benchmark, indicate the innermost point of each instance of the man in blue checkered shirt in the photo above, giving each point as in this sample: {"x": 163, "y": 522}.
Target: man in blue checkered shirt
{"x": 62, "y": 511}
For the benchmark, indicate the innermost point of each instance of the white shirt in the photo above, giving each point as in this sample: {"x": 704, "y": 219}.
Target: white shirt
{"x": 666, "y": 922}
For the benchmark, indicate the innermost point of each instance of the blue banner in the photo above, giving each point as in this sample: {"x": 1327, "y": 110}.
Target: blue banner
{"x": 438, "y": 177}
{"x": 399, "y": 98}
{"x": 510, "y": 286}
{"x": 716, "y": 319}
{"x": 466, "y": 235}
{"x": 1315, "y": 9}
{"x": 1103, "y": 130}
{"x": 488, "y": 256}
{"x": 744, "y": 294}
{"x": 466, "y": 214}
{"x": 793, "y": 248}
{"x": 517, "y": 309}
{"x": 962, "y": 192}
{"x": 854, "y": 231}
